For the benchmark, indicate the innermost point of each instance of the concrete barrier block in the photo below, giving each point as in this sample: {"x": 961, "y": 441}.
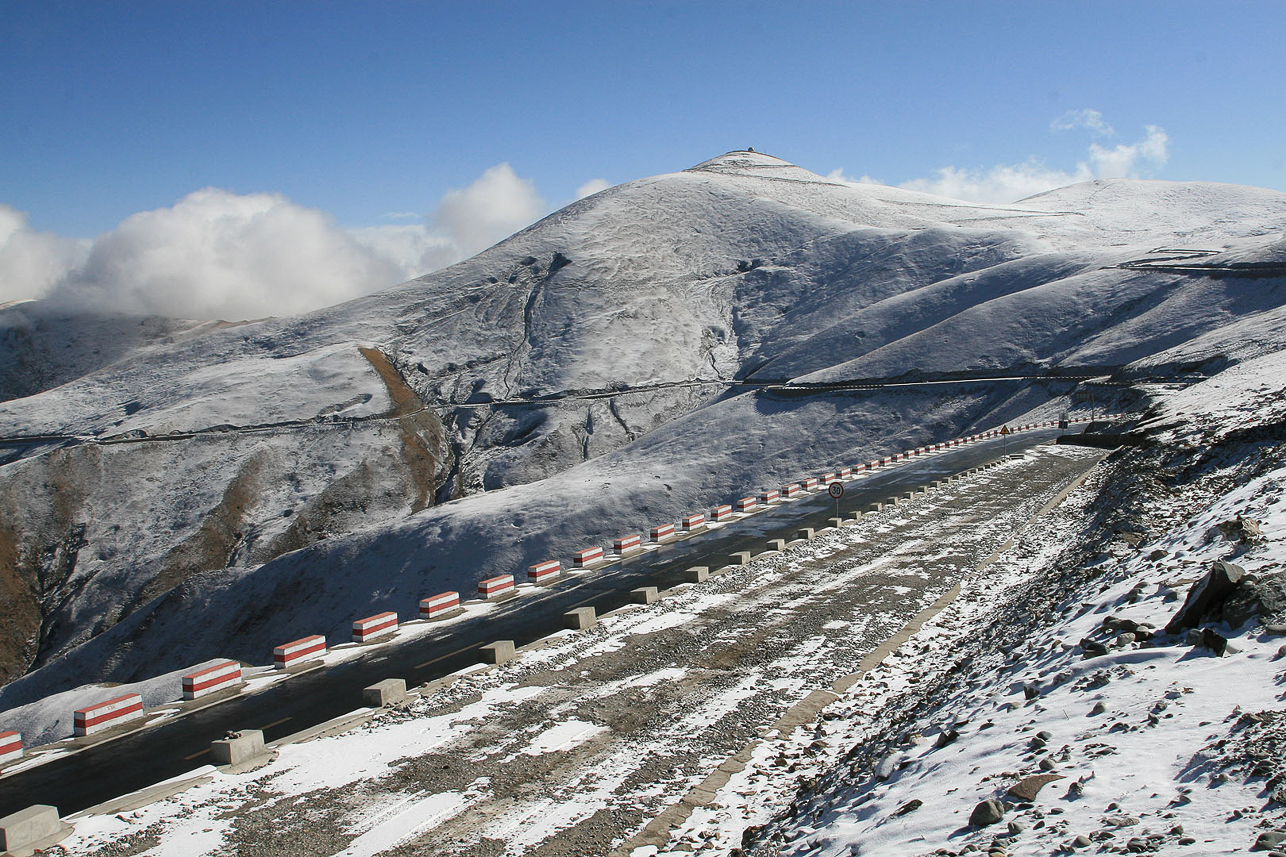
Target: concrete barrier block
{"x": 212, "y": 679}
{"x": 10, "y": 747}
{"x": 854, "y": 516}
{"x": 298, "y": 651}
{"x": 382, "y": 694}
{"x": 740, "y": 558}
{"x": 644, "y": 595}
{"x": 105, "y": 715}
{"x": 874, "y": 507}
{"x": 908, "y": 495}
{"x": 379, "y": 625}
{"x": 580, "y": 619}
{"x": 439, "y": 605}
{"x": 835, "y": 523}
{"x": 31, "y": 828}
{"x": 499, "y": 652}
{"x": 806, "y": 533}
{"x": 890, "y": 501}
{"x": 697, "y": 574}
{"x": 238, "y": 747}
{"x": 496, "y": 587}
{"x": 776, "y": 544}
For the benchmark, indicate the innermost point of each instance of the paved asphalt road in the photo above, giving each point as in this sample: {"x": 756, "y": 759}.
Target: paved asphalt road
{"x": 117, "y": 767}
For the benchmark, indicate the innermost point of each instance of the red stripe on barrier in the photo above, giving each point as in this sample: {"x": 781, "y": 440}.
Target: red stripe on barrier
{"x": 661, "y": 532}
{"x": 625, "y": 543}
{"x": 586, "y": 555}
{"x": 691, "y": 522}
{"x": 495, "y": 585}
{"x": 720, "y": 513}
{"x": 745, "y": 504}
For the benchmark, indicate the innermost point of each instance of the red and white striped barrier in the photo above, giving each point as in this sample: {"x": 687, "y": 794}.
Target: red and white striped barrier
{"x": 693, "y": 522}
{"x": 627, "y": 544}
{"x": 210, "y": 679}
{"x": 494, "y": 587}
{"x": 298, "y": 651}
{"x": 828, "y": 478}
{"x": 585, "y": 556}
{"x": 445, "y": 602}
{"x": 769, "y": 497}
{"x": 790, "y": 490}
{"x": 10, "y": 747}
{"x": 104, "y": 715}
{"x": 543, "y": 571}
{"x": 661, "y": 532}
{"x": 810, "y": 484}
{"x": 721, "y": 513}
{"x": 374, "y": 626}
{"x": 745, "y": 504}
{"x": 845, "y": 472}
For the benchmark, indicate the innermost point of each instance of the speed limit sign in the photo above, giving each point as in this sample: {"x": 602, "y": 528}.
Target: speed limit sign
{"x": 836, "y": 490}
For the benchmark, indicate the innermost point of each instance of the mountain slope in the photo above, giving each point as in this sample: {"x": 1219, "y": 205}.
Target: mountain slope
{"x": 390, "y": 446}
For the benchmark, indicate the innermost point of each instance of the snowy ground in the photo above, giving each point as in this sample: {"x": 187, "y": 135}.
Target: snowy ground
{"x": 581, "y": 743}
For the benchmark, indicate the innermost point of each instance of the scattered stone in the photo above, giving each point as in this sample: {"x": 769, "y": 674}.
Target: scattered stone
{"x": 909, "y": 807}
{"x": 1027, "y": 788}
{"x": 1123, "y": 640}
{"x": 1264, "y": 597}
{"x": 1047, "y": 764}
{"x": 1014, "y": 828}
{"x": 987, "y": 812}
{"x": 1099, "y": 708}
{"x": 1214, "y": 642}
{"x": 1244, "y": 530}
{"x": 1082, "y": 841}
{"x": 1092, "y": 648}
{"x": 945, "y": 738}
{"x": 1187, "y": 840}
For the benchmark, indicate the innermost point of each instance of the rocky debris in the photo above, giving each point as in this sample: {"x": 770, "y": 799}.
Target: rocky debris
{"x": 1242, "y": 530}
{"x": 1092, "y": 648}
{"x": 1207, "y": 596}
{"x": 988, "y": 812}
{"x": 1027, "y": 788}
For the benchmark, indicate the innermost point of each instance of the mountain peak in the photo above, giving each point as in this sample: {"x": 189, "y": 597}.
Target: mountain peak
{"x": 752, "y": 164}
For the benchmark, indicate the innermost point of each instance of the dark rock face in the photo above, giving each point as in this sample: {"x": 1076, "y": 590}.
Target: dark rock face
{"x": 1207, "y": 596}
{"x": 1264, "y": 598}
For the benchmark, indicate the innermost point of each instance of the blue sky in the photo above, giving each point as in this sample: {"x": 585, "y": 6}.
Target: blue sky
{"x": 365, "y": 110}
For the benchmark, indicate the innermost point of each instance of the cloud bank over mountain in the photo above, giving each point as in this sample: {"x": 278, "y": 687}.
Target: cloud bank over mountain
{"x": 220, "y": 254}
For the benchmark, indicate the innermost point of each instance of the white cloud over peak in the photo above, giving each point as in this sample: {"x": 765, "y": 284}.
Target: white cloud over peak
{"x": 32, "y": 262}
{"x": 219, "y": 254}
{"x": 1004, "y": 183}
{"x": 591, "y": 187}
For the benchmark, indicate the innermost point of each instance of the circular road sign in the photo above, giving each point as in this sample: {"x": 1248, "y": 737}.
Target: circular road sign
{"x": 836, "y": 490}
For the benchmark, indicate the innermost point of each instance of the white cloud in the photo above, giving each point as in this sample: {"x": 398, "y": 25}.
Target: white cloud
{"x": 1086, "y": 118}
{"x": 591, "y": 187}
{"x": 218, "y": 254}
{"x": 32, "y": 262}
{"x": 1001, "y": 183}
{"x": 1122, "y": 161}
{"x": 1009, "y": 182}
{"x": 837, "y": 175}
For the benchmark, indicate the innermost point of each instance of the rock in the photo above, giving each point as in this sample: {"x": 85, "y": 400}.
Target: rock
{"x": 1092, "y": 648}
{"x": 1214, "y": 642}
{"x": 1082, "y": 841}
{"x": 1206, "y": 596}
{"x": 1027, "y": 788}
{"x": 1264, "y": 598}
{"x": 1031, "y": 691}
{"x": 1123, "y": 640}
{"x": 1268, "y": 840}
{"x": 1098, "y": 708}
{"x": 1244, "y": 530}
{"x": 1014, "y": 828}
{"x": 1046, "y": 764}
{"x": 909, "y": 807}
{"x": 987, "y": 812}
{"x": 945, "y": 738}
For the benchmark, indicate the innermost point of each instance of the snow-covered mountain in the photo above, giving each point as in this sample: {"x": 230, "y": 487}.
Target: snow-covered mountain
{"x": 568, "y": 385}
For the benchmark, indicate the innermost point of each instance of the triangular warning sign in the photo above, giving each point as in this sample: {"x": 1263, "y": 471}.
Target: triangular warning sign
{"x": 1005, "y": 430}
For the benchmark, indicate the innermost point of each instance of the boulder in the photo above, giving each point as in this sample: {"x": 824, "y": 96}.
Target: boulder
{"x": 1268, "y": 840}
{"x": 1026, "y": 789}
{"x": 1206, "y": 596}
{"x": 1264, "y": 597}
{"x": 987, "y": 812}
{"x": 1244, "y": 530}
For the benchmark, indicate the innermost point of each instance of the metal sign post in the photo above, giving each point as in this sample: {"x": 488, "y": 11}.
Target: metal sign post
{"x": 1004, "y": 432}
{"x": 836, "y": 490}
